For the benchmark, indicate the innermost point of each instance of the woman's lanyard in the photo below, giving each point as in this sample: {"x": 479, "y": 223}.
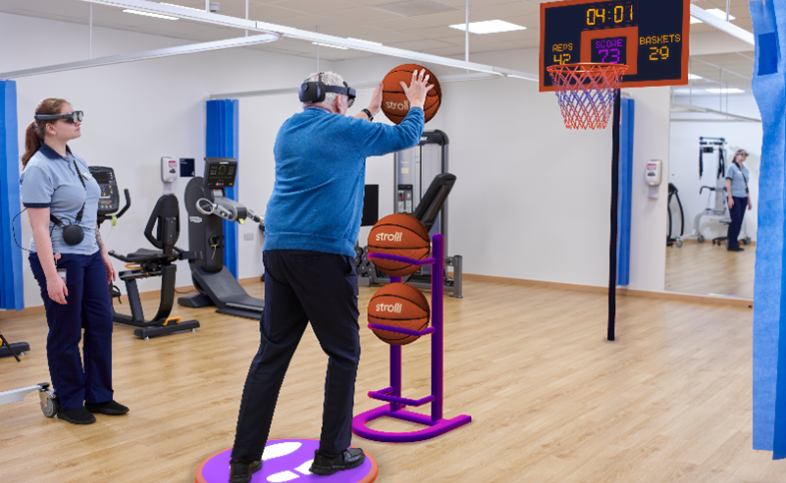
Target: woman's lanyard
{"x": 82, "y": 210}
{"x": 743, "y": 176}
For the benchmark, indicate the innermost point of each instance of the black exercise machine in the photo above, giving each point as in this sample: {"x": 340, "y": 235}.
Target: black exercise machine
{"x": 8, "y": 349}
{"x": 674, "y": 193}
{"x": 208, "y": 207}
{"x": 427, "y": 212}
{"x": 144, "y": 263}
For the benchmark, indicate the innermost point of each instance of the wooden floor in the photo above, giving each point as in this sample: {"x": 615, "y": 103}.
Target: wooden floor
{"x": 551, "y": 399}
{"x": 704, "y": 268}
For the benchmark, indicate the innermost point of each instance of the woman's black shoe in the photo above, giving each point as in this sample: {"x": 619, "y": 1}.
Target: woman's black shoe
{"x": 325, "y": 464}
{"x": 112, "y": 408}
{"x": 77, "y": 416}
{"x": 735, "y": 249}
{"x": 241, "y": 471}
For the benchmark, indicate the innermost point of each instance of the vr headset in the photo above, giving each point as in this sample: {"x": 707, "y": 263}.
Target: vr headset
{"x": 72, "y": 117}
{"x": 315, "y": 91}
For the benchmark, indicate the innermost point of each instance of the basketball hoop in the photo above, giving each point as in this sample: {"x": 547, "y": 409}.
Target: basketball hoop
{"x": 586, "y": 92}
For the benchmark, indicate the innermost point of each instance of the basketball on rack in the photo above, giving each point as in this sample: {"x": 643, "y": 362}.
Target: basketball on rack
{"x": 398, "y": 305}
{"x": 399, "y": 234}
{"x": 394, "y": 102}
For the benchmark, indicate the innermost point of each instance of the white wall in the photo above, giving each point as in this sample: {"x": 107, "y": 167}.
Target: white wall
{"x": 137, "y": 112}
{"x": 532, "y": 199}
{"x": 684, "y": 168}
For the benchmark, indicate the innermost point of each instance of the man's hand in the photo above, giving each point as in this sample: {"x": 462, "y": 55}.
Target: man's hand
{"x": 376, "y": 101}
{"x": 418, "y": 89}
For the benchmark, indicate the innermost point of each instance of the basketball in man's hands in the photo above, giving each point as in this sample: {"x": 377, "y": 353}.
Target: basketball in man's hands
{"x": 394, "y": 102}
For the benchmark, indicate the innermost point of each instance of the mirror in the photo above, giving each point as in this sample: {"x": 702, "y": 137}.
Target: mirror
{"x": 713, "y": 118}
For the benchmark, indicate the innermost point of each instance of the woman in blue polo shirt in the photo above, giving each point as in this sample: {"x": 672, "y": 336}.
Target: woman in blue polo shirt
{"x": 70, "y": 263}
{"x": 737, "y": 177}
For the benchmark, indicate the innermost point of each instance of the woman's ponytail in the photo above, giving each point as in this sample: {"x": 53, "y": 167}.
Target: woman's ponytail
{"x": 34, "y": 134}
{"x": 32, "y": 143}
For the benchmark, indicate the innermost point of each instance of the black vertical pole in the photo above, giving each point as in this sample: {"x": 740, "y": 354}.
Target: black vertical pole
{"x": 615, "y": 181}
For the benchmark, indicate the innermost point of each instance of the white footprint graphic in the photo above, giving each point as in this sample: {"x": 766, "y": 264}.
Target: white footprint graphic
{"x": 282, "y": 476}
{"x": 280, "y": 449}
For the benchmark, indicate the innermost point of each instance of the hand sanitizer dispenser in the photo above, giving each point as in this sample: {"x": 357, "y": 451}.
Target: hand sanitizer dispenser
{"x": 653, "y": 174}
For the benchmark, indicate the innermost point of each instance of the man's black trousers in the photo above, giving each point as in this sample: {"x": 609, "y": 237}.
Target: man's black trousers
{"x": 300, "y": 287}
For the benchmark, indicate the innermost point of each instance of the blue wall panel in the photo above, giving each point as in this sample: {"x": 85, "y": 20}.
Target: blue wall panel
{"x": 11, "y": 281}
{"x": 628, "y": 118}
{"x": 222, "y": 141}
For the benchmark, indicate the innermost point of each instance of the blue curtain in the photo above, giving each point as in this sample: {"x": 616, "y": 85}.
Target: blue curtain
{"x": 628, "y": 118}
{"x": 769, "y": 348}
{"x": 11, "y": 281}
{"x": 222, "y": 141}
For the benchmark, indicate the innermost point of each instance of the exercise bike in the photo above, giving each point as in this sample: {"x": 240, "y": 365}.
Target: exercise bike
{"x": 144, "y": 263}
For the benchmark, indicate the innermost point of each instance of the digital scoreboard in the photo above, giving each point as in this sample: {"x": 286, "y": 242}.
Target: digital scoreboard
{"x": 649, "y": 36}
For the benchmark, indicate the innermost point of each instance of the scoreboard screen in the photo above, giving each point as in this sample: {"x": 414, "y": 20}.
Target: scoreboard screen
{"x": 649, "y": 36}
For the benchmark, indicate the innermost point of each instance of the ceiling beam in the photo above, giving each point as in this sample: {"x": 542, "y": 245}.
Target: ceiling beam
{"x": 361, "y": 85}
{"x": 297, "y": 34}
{"x": 150, "y": 54}
{"x": 722, "y": 25}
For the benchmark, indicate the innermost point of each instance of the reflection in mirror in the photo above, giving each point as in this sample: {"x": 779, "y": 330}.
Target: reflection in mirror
{"x": 713, "y": 119}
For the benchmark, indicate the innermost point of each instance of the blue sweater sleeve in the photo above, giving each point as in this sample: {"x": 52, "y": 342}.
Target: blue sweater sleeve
{"x": 376, "y": 139}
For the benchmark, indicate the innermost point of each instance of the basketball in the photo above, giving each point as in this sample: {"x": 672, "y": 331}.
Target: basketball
{"x": 395, "y": 104}
{"x": 398, "y": 305}
{"x": 399, "y": 234}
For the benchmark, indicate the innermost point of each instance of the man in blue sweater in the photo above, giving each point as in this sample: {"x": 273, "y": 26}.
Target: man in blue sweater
{"x": 311, "y": 226}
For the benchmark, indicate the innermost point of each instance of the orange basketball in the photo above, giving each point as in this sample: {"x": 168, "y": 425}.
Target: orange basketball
{"x": 395, "y": 104}
{"x": 399, "y": 234}
{"x": 398, "y": 305}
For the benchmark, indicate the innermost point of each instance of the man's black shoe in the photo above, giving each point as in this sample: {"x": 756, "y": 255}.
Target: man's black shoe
{"x": 112, "y": 408}
{"x": 735, "y": 249}
{"x": 77, "y": 416}
{"x": 326, "y": 464}
{"x": 241, "y": 471}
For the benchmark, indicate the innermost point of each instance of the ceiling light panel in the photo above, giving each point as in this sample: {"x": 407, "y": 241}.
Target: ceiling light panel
{"x": 489, "y": 27}
{"x": 146, "y": 14}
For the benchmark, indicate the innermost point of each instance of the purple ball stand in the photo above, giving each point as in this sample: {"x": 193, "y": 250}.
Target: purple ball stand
{"x": 436, "y": 424}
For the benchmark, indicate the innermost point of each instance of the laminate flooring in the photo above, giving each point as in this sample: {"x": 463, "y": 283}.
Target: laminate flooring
{"x": 704, "y": 268}
{"x": 551, "y": 399}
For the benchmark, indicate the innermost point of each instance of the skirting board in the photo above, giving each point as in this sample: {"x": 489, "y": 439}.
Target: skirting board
{"x": 683, "y": 297}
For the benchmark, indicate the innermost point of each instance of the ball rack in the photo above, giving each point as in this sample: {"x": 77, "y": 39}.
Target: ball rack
{"x": 435, "y": 424}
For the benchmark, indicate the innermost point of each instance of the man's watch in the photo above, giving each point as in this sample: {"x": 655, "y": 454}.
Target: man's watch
{"x": 368, "y": 113}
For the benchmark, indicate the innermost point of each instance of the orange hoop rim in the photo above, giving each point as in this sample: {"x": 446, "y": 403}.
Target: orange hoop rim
{"x": 612, "y": 73}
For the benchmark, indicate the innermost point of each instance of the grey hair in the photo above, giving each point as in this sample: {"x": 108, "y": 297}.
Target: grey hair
{"x": 330, "y": 79}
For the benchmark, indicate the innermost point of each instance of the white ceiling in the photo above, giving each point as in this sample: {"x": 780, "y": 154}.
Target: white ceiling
{"x": 405, "y": 24}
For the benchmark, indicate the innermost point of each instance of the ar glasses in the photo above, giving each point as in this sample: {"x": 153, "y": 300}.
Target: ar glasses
{"x": 72, "y": 117}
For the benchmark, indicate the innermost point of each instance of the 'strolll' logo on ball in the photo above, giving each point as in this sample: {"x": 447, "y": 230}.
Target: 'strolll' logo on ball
{"x": 395, "y": 104}
{"x": 399, "y": 234}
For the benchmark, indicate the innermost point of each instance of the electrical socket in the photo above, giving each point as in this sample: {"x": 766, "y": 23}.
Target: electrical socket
{"x": 248, "y": 236}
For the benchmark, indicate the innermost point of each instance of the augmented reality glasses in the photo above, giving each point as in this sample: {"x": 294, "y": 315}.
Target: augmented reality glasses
{"x": 72, "y": 117}
{"x": 742, "y": 153}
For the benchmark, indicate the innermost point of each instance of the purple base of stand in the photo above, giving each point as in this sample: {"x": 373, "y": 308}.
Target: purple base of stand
{"x": 434, "y": 429}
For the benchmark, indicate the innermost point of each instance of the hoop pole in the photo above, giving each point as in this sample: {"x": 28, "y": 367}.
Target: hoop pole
{"x": 615, "y": 179}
